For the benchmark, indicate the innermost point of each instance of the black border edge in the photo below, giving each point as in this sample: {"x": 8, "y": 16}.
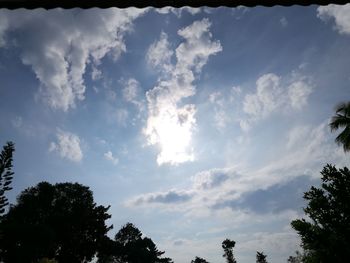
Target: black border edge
{"x": 50, "y": 4}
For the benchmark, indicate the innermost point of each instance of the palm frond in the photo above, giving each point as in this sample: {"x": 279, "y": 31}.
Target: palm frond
{"x": 344, "y": 139}
{"x": 339, "y": 121}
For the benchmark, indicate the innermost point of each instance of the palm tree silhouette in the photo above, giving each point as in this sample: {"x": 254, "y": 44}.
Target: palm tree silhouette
{"x": 341, "y": 119}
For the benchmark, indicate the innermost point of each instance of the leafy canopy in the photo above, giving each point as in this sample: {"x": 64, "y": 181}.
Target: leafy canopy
{"x": 59, "y": 222}
{"x": 326, "y": 236}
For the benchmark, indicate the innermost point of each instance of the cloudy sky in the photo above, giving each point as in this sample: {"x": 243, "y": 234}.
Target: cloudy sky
{"x": 194, "y": 124}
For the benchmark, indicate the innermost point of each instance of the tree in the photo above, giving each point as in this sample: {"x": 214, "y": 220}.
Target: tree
{"x": 228, "y": 246}
{"x": 131, "y": 247}
{"x": 199, "y": 260}
{"x": 59, "y": 222}
{"x": 326, "y": 236}
{"x": 341, "y": 119}
{"x": 6, "y": 174}
{"x": 260, "y": 257}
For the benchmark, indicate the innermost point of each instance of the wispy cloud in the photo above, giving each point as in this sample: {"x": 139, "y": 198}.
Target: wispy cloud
{"x": 68, "y": 146}
{"x": 131, "y": 91}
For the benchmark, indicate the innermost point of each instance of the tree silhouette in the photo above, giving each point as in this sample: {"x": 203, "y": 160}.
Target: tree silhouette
{"x": 260, "y": 257}
{"x": 301, "y": 258}
{"x": 131, "y": 247}
{"x": 341, "y": 119}
{"x": 228, "y": 246}
{"x": 199, "y": 260}
{"x": 6, "y": 174}
{"x": 59, "y": 222}
{"x": 326, "y": 237}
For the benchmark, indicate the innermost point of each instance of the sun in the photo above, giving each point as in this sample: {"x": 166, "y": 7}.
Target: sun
{"x": 172, "y": 130}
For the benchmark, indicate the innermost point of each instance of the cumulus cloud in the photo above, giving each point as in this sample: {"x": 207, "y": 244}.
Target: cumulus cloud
{"x": 60, "y": 50}
{"x": 67, "y": 146}
{"x": 169, "y": 125}
{"x": 339, "y": 13}
{"x": 109, "y": 156}
{"x": 274, "y": 94}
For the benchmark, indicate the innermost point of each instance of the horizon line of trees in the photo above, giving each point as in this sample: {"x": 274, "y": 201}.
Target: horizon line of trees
{"x": 62, "y": 223}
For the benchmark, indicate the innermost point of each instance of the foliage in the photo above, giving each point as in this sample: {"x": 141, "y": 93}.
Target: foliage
{"x": 130, "y": 247}
{"x": 199, "y": 260}
{"x": 59, "y": 222}
{"x": 298, "y": 258}
{"x": 341, "y": 119}
{"x": 326, "y": 237}
{"x": 6, "y": 174}
{"x": 228, "y": 246}
{"x": 260, "y": 257}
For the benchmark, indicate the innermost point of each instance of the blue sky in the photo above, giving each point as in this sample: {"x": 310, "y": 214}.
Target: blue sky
{"x": 194, "y": 124}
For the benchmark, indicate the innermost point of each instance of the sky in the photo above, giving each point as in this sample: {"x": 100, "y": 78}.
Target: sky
{"x": 196, "y": 125}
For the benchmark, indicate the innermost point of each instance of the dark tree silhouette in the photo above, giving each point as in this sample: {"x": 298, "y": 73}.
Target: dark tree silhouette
{"x": 260, "y": 257}
{"x": 59, "y": 222}
{"x": 131, "y": 247}
{"x": 341, "y": 119}
{"x": 228, "y": 246}
{"x": 6, "y": 174}
{"x": 326, "y": 237}
{"x": 199, "y": 260}
{"x": 295, "y": 259}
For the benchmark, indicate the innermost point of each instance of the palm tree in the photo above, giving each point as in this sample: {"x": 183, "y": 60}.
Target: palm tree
{"x": 341, "y": 119}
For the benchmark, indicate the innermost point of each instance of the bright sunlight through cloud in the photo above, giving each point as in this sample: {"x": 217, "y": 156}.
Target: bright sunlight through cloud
{"x": 173, "y": 134}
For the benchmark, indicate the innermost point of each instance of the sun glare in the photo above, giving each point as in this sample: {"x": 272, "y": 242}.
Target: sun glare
{"x": 172, "y": 131}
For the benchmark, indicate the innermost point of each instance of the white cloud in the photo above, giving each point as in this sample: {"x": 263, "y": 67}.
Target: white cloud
{"x": 96, "y": 73}
{"x": 216, "y": 98}
{"x": 109, "y": 156}
{"x": 178, "y": 11}
{"x": 169, "y": 125}
{"x": 60, "y": 50}
{"x": 68, "y": 146}
{"x": 274, "y": 94}
{"x": 298, "y": 93}
{"x": 212, "y": 191}
{"x": 340, "y": 14}
{"x": 130, "y": 91}
{"x": 159, "y": 54}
